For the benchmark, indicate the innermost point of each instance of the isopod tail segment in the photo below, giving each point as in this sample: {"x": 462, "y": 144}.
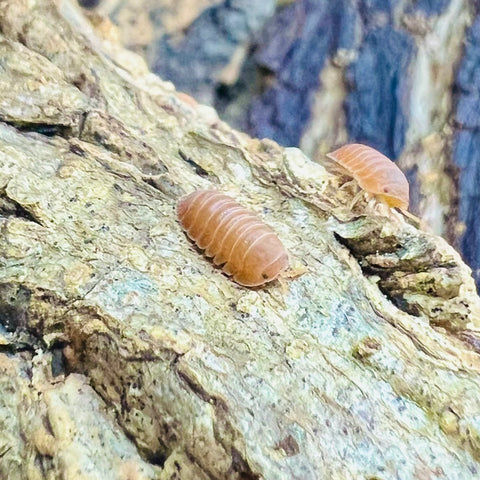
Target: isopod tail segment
{"x": 238, "y": 241}
{"x": 376, "y": 174}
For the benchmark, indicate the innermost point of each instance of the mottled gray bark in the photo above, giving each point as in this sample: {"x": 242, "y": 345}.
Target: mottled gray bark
{"x": 126, "y": 354}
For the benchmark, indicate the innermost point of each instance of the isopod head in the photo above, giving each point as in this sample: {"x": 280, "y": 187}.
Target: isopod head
{"x": 265, "y": 254}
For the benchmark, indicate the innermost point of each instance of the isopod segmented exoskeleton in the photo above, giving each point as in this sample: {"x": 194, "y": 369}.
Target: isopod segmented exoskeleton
{"x": 248, "y": 249}
{"x": 375, "y": 173}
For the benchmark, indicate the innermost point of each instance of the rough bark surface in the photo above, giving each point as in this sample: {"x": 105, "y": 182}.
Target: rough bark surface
{"x": 399, "y": 76}
{"x": 124, "y": 352}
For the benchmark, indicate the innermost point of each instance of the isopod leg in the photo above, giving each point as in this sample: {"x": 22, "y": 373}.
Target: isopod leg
{"x": 356, "y": 199}
{"x": 350, "y": 183}
{"x": 411, "y": 218}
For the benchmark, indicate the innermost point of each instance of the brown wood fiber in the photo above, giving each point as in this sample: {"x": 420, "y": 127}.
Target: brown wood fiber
{"x": 245, "y": 247}
{"x": 375, "y": 173}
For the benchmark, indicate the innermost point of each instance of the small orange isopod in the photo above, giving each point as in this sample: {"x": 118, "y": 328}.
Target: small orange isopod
{"x": 375, "y": 173}
{"x": 237, "y": 239}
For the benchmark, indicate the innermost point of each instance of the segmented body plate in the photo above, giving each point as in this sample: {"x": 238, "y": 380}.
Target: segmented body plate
{"x": 375, "y": 173}
{"x": 248, "y": 249}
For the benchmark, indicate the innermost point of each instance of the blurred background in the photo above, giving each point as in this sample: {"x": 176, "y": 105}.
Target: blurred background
{"x": 402, "y": 76}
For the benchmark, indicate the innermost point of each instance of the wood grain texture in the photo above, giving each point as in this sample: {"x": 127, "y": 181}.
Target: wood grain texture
{"x": 237, "y": 239}
{"x": 375, "y": 173}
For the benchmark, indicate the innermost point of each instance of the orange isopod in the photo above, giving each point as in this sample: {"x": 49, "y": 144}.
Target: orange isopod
{"x": 375, "y": 173}
{"x": 237, "y": 239}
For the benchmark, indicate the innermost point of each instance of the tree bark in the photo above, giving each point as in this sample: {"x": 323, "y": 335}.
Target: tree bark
{"x": 125, "y": 353}
{"x": 399, "y": 77}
